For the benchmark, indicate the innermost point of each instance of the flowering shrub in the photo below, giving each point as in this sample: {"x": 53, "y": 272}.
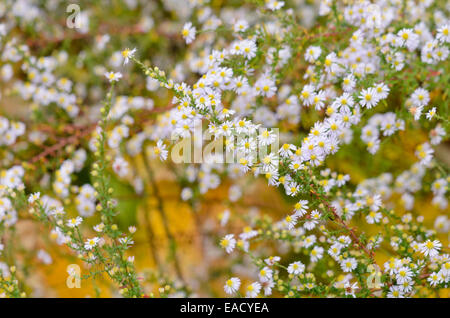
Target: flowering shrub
{"x": 306, "y": 140}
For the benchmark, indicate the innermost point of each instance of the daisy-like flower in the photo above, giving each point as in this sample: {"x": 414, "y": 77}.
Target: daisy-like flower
{"x": 395, "y": 292}
{"x": 291, "y": 221}
{"x": 269, "y": 162}
{"x": 232, "y": 285}
{"x": 334, "y": 250}
{"x": 342, "y": 179}
{"x": 307, "y": 95}
{"x": 120, "y": 166}
{"x": 316, "y": 253}
{"x": 249, "y": 51}
{"x": 404, "y": 274}
{"x": 420, "y": 97}
{"x": 296, "y": 268}
{"x": 248, "y": 233}
{"x": 373, "y": 217}
{"x": 301, "y": 207}
{"x": 228, "y": 243}
{"x": 348, "y": 264}
{"x": 286, "y": 150}
{"x": 272, "y": 260}
{"x": 374, "y": 202}
{"x": 160, "y": 150}
{"x": 350, "y": 289}
{"x": 348, "y": 83}
{"x": 243, "y": 245}
{"x": 127, "y": 54}
{"x": 431, "y": 113}
{"x": 435, "y": 279}
{"x": 368, "y": 98}
{"x": 265, "y": 274}
{"x": 437, "y": 134}
{"x": 253, "y": 290}
{"x": 240, "y": 26}
{"x": 425, "y": 153}
{"x": 99, "y": 227}
{"x": 265, "y": 86}
{"x": 443, "y": 34}
{"x": 266, "y": 137}
{"x": 188, "y": 32}
{"x": 292, "y": 189}
{"x": 439, "y": 186}
{"x": 408, "y": 38}
{"x": 312, "y": 53}
{"x": 113, "y": 76}
{"x": 274, "y": 4}
{"x": 267, "y": 286}
{"x": 430, "y": 248}
{"x": 345, "y": 102}
{"x": 91, "y": 243}
{"x": 34, "y": 197}
{"x": 296, "y": 165}
{"x": 382, "y": 90}
{"x": 313, "y": 220}
{"x": 74, "y": 222}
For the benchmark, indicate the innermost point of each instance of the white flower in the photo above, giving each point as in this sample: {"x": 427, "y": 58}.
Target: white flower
{"x": 443, "y": 34}
{"x": 232, "y": 285}
{"x": 128, "y": 54}
{"x": 368, "y": 98}
{"x": 228, "y": 243}
{"x": 74, "y": 222}
{"x": 348, "y": 264}
{"x": 186, "y": 194}
{"x": 430, "y": 248}
{"x": 188, "y": 32}
{"x": 301, "y": 208}
{"x": 350, "y": 288}
{"x": 113, "y": 76}
{"x": 373, "y": 217}
{"x": 265, "y": 274}
{"x": 91, "y": 243}
{"x": 253, "y": 290}
{"x": 420, "y": 97}
{"x": 395, "y": 292}
{"x": 160, "y": 150}
{"x": 312, "y": 53}
{"x": 316, "y": 253}
{"x": 120, "y": 166}
{"x": 435, "y": 279}
{"x": 272, "y": 260}
{"x": 99, "y": 227}
{"x": 267, "y": 286}
{"x": 431, "y": 113}
{"x": 296, "y": 268}
{"x": 44, "y": 257}
{"x": 274, "y": 4}
{"x": 240, "y": 26}
{"x": 374, "y": 202}
{"x": 404, "y": 274}
{"x": 34, "y": 197}
{"x": 291, "y": 221}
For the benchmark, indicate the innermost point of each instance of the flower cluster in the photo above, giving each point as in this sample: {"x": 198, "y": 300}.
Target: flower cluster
{"x": 340, "y": 114}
